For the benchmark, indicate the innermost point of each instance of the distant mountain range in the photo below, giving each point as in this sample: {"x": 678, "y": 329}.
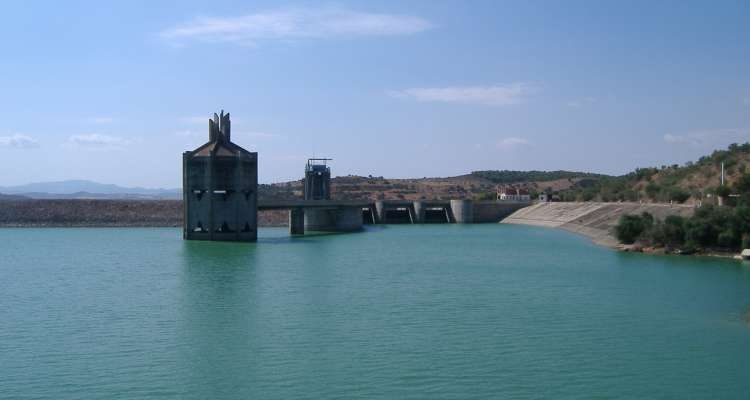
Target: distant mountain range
{"x": 83, "y": 189}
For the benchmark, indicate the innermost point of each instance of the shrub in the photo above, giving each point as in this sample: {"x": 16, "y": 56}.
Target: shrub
{"x": 678, "y": 195}
{"x": 652, "y": 190}
{"x": 674, "y": 230}
{"x": 629, "y": 228}
{"x": 727, "y": 239}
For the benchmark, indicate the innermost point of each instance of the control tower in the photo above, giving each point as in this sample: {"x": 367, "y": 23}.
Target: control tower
{"x": 317, "y": 179}
{"x": 220, "y": 187}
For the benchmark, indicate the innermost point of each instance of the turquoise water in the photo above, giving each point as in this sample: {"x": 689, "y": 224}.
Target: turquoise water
{"x": 397, "y": 312}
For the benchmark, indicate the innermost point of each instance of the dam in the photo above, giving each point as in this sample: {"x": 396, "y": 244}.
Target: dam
{"x": 220, "y": 197}
{"x": 352, "y": 215}
{"x": 318, "y": 212}
{"x": 595, "y": 220}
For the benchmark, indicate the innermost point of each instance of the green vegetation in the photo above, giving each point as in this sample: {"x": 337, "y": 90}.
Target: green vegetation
{"x": 668, "y": 183}
{"x": 506, "y": 176}
{"x": 631, "y": 227}
{"x": 711, "y": 227}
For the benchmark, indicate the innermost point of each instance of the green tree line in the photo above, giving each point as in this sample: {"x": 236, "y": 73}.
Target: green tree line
{"x": 722, "y": 227}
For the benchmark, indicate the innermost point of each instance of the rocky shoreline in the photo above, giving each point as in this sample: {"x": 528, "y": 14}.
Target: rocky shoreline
{"x": 637, "y": 248}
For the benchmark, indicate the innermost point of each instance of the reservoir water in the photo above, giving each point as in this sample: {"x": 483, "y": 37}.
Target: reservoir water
{"x": 397, "y": 312}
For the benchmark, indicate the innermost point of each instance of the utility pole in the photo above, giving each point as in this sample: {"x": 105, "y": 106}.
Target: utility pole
{"x": 720, "y": 198}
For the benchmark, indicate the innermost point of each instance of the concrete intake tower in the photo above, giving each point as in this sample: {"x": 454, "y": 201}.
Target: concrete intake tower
{"x": 220, "y": 187}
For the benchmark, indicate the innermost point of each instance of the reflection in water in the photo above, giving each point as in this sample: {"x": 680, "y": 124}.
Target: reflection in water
{"x": 219, "y": 293}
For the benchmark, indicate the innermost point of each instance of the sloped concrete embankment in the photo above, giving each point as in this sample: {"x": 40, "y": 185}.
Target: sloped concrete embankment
{"x": 594, "y": 220}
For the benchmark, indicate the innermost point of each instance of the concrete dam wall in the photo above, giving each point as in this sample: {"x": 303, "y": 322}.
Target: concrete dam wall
{"x": 594, "y": 220}
{"x": 440, "y": 211}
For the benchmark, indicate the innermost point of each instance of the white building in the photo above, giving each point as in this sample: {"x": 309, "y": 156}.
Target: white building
{"x": 509, "y": 193}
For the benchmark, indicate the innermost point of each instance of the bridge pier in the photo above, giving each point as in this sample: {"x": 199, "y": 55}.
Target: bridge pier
{"x": 380, "y": 211}
{"x": 419, "y": 212}
{"x": 296, "y": 221}
{"x": 463, "y": 211}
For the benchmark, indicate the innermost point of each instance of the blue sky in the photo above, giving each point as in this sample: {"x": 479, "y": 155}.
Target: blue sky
{"x": 116, "y": 92}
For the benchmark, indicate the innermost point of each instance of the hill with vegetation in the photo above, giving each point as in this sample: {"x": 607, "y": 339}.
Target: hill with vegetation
{"x": 478, "y": 185}
{"x": 516, "y": 177}
{"x": 692, "y": 182}
{"x": 713, "y": 227}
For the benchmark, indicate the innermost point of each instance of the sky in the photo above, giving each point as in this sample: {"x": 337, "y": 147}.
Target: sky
{"x": 115, "y": 91}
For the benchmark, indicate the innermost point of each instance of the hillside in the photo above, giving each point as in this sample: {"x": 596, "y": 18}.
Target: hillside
{"x": 476, "y": 185}
{"x": 688, "y": 183}
{"x": 12, "y": 197}
{"x": 479, "y": 184}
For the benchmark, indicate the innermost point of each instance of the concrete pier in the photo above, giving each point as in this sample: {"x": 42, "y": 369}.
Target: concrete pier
{"x": 463, "y": 211}
{"x": 339, "y": 219}
{"x": 380, "y": 212}
{"x": 419, "y": 212}
{"x": 296, "y": 221}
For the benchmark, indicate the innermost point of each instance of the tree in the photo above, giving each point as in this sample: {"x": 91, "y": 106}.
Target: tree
{"x": 674, "y": 230}
{"x": 678, "y": 195}
{"x": 629, "y": 228}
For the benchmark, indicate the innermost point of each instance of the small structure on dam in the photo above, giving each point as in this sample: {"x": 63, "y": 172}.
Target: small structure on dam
{"x": 318, "y": 179}
{"x": 220, "y": 187}
{"x": 318, "y": 189}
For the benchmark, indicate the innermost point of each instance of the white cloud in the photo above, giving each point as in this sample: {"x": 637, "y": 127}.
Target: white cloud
{"x": 18, "y": 141}
{"x": 98, "y": 141}
{"x": 487, "y": 95}
{"x": 709, "y": 138}
{"x": 292, "y": 23}
{"x": 512, "y": 142}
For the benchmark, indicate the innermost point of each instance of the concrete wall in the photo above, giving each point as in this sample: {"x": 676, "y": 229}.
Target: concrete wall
{"x": 458, "y": 211}
{"x": 340, "y": 219}
{"x": 220, "y": 195}
{"x": 419, "y": 212}
{"x": 463, "y": 211}
{"x": 495, "y": 211}
{"x": 592, "y": 219}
